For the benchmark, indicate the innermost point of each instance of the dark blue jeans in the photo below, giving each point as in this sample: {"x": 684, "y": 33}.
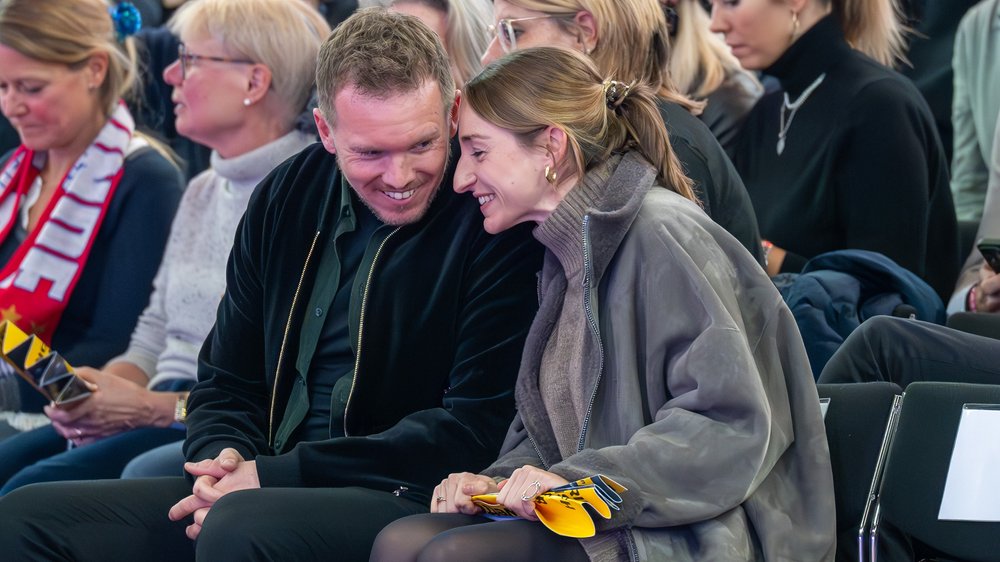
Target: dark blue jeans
{"x": 41, "y": 455}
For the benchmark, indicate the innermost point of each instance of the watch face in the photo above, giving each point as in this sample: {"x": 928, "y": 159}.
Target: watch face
{"x": 180, "y": 410}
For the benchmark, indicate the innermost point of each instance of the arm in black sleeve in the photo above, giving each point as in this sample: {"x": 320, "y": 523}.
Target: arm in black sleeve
{"x": 465, "y": 432}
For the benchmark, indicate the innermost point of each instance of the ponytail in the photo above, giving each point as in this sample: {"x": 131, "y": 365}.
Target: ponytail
{"x": 874, "y": 27}
{"x": 634, "y": 105}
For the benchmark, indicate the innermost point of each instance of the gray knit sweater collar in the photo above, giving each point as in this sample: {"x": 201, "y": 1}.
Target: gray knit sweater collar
{"x": 246, "y": 170}
{"x": 611, "y": 193}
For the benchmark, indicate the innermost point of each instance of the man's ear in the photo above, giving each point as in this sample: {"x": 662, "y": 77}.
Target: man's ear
{"x": 325, "y": 131}
{"x": 260, "y": 82}
{"x": 588, "y": 38}
{"x": 453, "y": 114}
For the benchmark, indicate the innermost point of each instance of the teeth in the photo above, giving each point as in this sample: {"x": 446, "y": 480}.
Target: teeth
{"x": 484, "y": 199}
{"x": 400, "y": 195}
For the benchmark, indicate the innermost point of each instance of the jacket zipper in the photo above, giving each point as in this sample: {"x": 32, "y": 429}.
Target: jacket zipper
{"x": 545, "y": 465}
{"x": 588, "y": 307}
{"x": 361, "y": 325}
{"x": 633, "y": 550}
{"x": 284, "y": 340}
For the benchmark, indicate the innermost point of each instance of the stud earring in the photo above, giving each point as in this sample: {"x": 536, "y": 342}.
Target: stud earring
{"x": 247, "y": 102}
{"x": 550, "y": 174}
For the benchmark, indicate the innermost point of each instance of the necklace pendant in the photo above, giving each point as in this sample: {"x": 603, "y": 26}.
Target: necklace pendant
{"x": 781, "y": 145}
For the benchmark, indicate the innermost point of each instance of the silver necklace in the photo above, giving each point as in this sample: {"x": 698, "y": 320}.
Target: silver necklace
{"x": 793, "y": 107}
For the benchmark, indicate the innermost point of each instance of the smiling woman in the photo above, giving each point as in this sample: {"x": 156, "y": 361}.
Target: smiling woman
{"x": 628, "y": 40}
{"x": 657, "y": 334}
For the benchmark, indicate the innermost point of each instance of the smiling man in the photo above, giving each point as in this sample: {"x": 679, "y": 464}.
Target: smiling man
{"x": 366, "y": 346}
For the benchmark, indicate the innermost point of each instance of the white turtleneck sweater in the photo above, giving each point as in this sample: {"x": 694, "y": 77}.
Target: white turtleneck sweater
{"x": 192, "y": 277}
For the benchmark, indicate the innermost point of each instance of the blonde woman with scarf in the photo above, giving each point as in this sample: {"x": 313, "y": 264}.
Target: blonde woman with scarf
{"x": 85, "y": 201}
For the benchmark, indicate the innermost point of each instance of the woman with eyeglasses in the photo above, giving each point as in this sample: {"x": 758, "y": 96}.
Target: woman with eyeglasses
{"x": 244, "y": 74}
{"x": 629, "y": 38}
{"x": 661, "y": 355}
{"x": 85, "y": 200}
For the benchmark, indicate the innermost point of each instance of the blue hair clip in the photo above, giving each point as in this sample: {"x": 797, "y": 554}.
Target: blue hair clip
{"x": 126, "y": 18}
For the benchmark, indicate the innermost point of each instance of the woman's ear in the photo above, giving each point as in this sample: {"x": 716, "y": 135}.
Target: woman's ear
{"x": 557, "y": 145}
{"x": 97, "y": 70}
{"x": 588, "y": 38}
{"x": 797, "y": 5}
{"x": 260, "y": 82}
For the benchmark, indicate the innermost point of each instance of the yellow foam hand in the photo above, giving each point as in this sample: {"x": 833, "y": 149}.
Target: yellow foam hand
{"x": 561, "y": 509}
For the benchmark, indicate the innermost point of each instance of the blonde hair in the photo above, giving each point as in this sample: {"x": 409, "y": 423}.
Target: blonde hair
{"x": 283, "y": 35}
{"x": 535, "y": 88}
{"x": 69, "y": 33}
{"x": 700, "y": 61}
{"x": 633, "y": 40}
{"x": 873, "y": 27}
{"x": 381, "y": 53}
{"x": 467, "y": 33}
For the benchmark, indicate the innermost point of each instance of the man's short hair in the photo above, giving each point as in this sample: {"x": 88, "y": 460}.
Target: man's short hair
{"x": 381, "y": 54}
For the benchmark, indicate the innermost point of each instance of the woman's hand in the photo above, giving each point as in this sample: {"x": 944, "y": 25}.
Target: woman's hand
{"x": 115, "y": 405}
{"x": 775, "y": 257}
{"x": 518, "y": 492}
{"x": 454, "y": 493}
{"x": 988, "y": 290}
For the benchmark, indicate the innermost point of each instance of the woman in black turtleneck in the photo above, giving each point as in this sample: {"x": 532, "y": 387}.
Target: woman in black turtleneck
{"x": 845, "y": 155}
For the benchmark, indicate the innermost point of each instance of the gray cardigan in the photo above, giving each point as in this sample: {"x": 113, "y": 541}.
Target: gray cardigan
{"x": 701, "y": 398}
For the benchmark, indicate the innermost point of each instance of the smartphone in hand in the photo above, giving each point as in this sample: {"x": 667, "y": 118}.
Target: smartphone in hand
{"x": 990, "y": 249}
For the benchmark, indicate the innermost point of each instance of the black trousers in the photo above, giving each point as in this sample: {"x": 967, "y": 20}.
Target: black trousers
{"x": 127, "y": 520}
{"x": 902, "y": 351}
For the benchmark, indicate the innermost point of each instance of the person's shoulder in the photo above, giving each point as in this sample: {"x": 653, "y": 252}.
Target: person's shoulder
{"x": 301, "y": 173}
{"x": 662, "y": 205}
{"x": 682, "y": 125}
{"x": 148, "y": 167}
{"x": 978, "y": 19}
{"x": 667, "y": 217}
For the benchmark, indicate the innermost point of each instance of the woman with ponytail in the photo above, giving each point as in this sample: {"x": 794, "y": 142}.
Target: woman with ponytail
{"x": 846, "y": 155}
{"x": 661, "y": 356}
{"x": 628, "y": 39}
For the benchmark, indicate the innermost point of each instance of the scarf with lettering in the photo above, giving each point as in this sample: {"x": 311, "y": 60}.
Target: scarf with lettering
{"x": 36, "y": 284}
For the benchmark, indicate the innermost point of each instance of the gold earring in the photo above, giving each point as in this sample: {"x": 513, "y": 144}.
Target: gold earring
{"x": 550, "y": 174}
{"x": 795, "y": 26}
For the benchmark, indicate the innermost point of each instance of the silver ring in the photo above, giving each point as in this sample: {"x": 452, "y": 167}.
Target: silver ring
{"x": 525, "y": 496}
{"x": 79, "y": 433}
{"x": 440, "y": 499}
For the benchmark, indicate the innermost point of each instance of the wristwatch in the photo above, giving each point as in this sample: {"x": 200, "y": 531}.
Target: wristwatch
{"x": 181, "y": 408}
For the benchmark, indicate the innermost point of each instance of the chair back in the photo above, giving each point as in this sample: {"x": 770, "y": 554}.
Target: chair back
{"x": 917, "y": 467}
{"x": 856, "y": 420}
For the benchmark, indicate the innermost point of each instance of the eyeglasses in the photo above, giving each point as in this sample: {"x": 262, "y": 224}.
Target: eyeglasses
{"x": 505, "y": 31}
{"x": 187, "y": 58}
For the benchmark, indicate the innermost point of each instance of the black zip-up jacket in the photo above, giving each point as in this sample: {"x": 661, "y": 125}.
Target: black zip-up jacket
{"x": 438, "y": 316}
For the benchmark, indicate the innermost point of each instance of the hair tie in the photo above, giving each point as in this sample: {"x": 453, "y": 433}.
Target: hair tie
{"x": 126, "y": 18}
{"x": 615, "y": 92}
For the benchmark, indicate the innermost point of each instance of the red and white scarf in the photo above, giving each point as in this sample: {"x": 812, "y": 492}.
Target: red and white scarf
{"x": 36, "y": 284}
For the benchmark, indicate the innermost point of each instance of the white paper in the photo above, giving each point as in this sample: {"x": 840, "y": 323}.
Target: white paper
{"x": 824, "y": 405}
{"x": 972, "y": 488}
